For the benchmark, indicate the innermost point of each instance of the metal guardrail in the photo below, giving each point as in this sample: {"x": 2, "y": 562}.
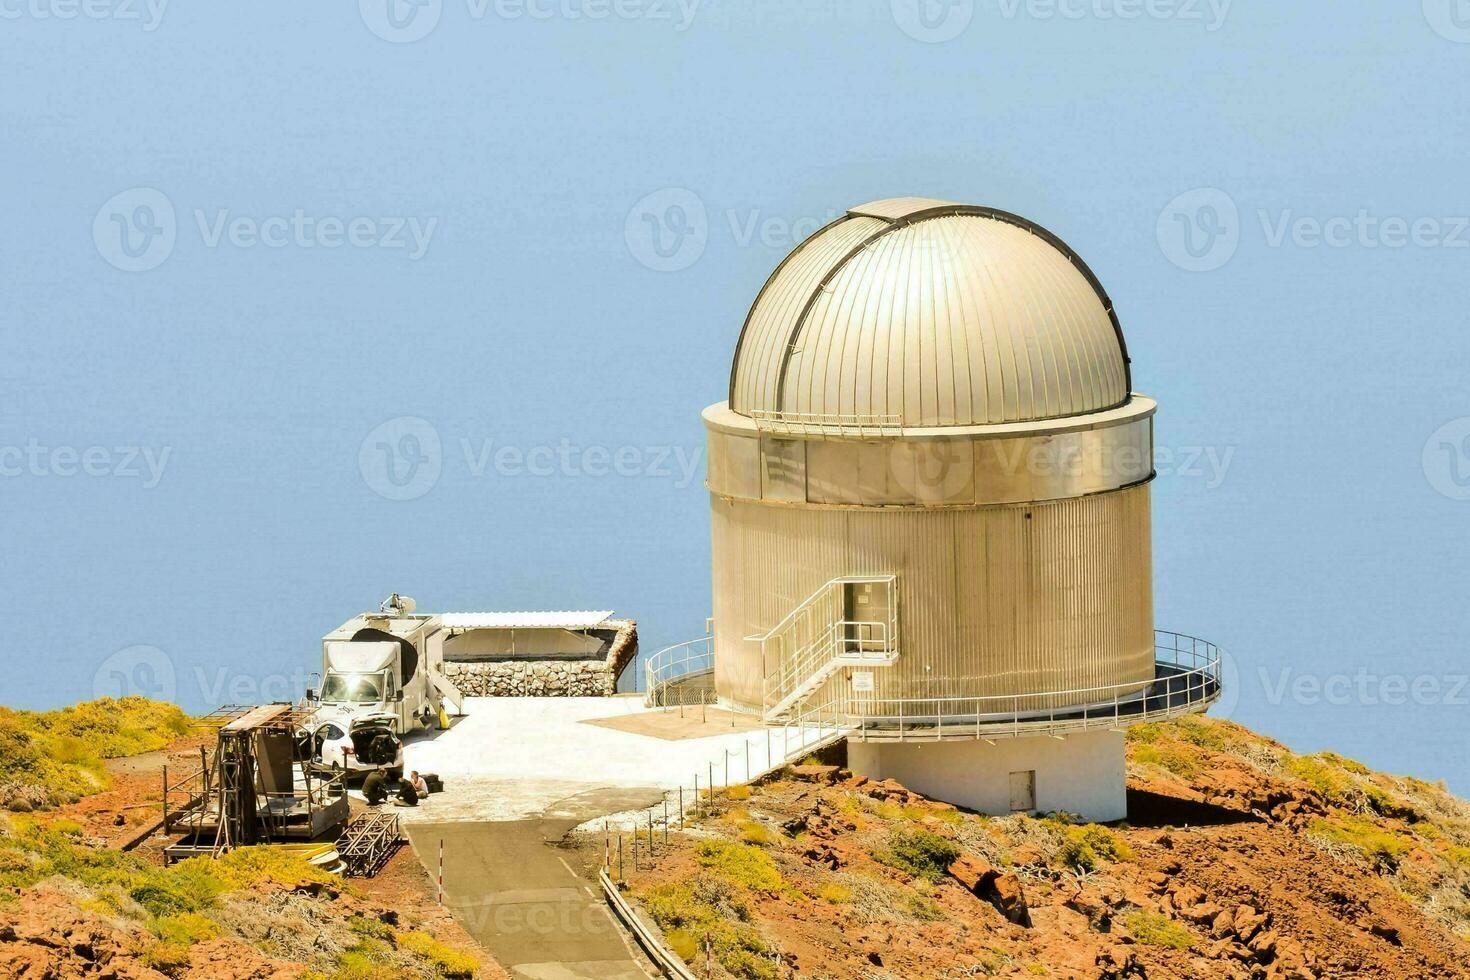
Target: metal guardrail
{"x": 818, "y": 635}
{"x": 1186, "y": 680}
{"x": 668, "y": 673}
{"x": 665, "y": 959}
{"x": 827, "y": 424}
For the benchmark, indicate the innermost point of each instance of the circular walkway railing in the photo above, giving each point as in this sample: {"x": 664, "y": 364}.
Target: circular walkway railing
{"x": 1186, "y": 681}
{"x": 682, "y": 674}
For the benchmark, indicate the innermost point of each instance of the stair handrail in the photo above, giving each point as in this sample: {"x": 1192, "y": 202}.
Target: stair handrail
{"x": 818, "y": 656}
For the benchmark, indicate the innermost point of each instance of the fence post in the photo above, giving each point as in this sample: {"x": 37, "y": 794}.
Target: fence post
{"x": 681, "y": 804}
{"x": 441, "y": 871}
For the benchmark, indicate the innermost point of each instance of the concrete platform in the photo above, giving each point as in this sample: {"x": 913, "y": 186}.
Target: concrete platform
{"x": 518, "y": 758}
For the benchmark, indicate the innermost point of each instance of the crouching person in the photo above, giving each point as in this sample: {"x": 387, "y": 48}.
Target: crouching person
{"x": 412, "y": 789}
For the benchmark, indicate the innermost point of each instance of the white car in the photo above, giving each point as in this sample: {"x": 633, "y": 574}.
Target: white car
{"x": 357, "y": 746}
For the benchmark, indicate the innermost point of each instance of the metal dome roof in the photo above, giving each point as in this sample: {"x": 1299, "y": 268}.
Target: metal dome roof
{"x": 917, "y": 312}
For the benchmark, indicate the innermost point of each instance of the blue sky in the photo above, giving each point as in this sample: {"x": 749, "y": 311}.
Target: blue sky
{"x": 246, "y": 247}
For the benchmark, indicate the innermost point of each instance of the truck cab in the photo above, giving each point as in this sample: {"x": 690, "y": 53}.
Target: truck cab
{"x": 382, "y": 674}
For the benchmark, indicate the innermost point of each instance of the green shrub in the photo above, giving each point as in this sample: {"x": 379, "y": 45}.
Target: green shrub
{"x": 185, "y": 929}
{"x": 757, "y": 833}
{"x": 1086, "y": 847}
{"x": 920, "y": 853}
{"x": 447, "y": 961}
{"x": 835, "y": 894}
{"x": 707, "y": 909}
{"x": 740, "y": 864}
{"x": 1153, "y": 929}
{"x": 1361, "y": 834}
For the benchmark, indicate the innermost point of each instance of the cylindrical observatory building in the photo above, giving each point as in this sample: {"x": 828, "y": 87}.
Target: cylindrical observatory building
{"x": 930, "y": 505}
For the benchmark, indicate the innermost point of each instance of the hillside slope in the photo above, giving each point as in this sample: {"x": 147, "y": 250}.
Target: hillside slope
{"x": 81, "y": 783}
{"x": 1243, "y": 860}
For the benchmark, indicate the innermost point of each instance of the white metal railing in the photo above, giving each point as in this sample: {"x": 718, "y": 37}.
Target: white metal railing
{"x": 670, "y": 674}
{"x": 818, "y": 636}
{"x": 852, "y": 426}
{"x": 1186, "y": 679}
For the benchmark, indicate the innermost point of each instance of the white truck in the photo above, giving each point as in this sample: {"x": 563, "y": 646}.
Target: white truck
{"x": 382, "y": 677}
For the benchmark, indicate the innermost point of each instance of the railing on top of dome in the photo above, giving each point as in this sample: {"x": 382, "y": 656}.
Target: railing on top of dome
{"x": 681, "y": 675}
{"x": 850, "y": 426}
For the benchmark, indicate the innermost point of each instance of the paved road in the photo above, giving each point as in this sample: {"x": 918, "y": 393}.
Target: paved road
{"x": 522, "y": 900}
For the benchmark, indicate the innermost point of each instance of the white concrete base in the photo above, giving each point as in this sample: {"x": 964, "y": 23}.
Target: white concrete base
{"x": 1083, "y": 773}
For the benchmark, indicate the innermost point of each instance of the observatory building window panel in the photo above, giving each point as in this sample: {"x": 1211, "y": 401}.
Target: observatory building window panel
{"x": 784, "y": 461}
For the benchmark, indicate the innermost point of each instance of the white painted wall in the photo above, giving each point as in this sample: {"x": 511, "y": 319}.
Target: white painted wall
{"x": 1083, "y": 773}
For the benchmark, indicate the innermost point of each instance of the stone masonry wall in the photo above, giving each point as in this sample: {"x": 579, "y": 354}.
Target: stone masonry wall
{"x": 532, "y": 678}
{"x": 548, "y": 678}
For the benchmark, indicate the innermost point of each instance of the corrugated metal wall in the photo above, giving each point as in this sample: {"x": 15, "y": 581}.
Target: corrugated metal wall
{"x": 998, "y": 600}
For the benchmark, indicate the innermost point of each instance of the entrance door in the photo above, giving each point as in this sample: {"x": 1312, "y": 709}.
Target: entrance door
{"x": 1023, "y": 791}
{"x": 865, "y": 609}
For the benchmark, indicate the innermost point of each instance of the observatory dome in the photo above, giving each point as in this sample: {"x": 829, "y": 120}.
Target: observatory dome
{"x": 916, "y": 312}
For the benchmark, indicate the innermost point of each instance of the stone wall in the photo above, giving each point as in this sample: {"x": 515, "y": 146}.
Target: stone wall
{"x": 533, "y": 678}
{"x": 564, "y": 677}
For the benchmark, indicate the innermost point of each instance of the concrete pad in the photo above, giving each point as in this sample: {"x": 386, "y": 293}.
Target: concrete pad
{"x": 672, "y": 726}
{"x": 512, "y": 758}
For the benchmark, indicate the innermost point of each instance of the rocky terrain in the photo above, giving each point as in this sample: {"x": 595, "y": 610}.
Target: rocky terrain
{"x": 84, "y": 893}
{"x": 1243, "y": 860}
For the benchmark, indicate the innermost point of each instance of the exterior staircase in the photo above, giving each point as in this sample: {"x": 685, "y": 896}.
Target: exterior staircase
{"x": 851, "y": 621}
